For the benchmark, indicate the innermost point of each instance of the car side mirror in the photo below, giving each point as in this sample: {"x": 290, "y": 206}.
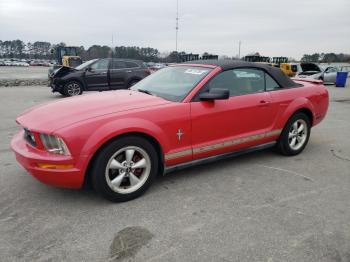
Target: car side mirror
{"x": 215, "y": 94}
{"x": 88, "y": 69}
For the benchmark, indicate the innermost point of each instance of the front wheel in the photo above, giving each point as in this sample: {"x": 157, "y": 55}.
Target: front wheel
{"x": 295, "y": 135}
{"x": 124, "y": 168}
{"x": 72, "y": 88}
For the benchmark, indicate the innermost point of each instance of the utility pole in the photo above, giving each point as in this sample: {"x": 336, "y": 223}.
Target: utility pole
{"x": 239, "y": 49}
{"x": 177, "y": 23}
{"x": 112, "y": 45}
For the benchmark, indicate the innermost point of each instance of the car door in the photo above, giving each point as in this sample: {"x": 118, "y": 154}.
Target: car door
{"x": 330, "y": 75}
{"x": 242, "y": 120}
{"x": 96, "y": 76}
{"x": 118, "y": 74}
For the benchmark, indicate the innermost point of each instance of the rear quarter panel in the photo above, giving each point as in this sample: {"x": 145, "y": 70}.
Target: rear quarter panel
{"x": 310, "y": 96}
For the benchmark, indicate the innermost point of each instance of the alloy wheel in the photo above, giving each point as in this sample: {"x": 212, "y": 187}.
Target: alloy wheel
{"x": 128, "y": 169}
{"x": 297, "y": 134}
{"x": 73, "y": 89}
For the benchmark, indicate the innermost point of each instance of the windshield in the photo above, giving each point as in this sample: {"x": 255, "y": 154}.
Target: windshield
{"x": 86, "y": 64}
{"x": 172, "y": 83}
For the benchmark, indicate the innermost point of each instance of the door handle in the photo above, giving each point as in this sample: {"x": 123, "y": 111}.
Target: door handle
{"x": 264, "y": 103}
{"x": 129, "y": 71}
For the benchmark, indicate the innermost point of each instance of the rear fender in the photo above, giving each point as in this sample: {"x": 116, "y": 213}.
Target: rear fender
{"x": 298, "y": 104}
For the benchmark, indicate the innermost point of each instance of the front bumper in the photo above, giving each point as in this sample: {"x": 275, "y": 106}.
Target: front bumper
{"x": 30, "y": 158}
{"x": 55, "y": 84}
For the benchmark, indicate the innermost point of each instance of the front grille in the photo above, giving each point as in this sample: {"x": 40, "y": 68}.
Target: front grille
{"x": 29, "y": 137}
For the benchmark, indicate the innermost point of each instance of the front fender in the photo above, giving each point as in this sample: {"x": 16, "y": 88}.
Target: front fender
{"x": 122, "y": 126}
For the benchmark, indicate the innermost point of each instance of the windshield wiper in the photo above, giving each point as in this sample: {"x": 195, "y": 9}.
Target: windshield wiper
{"x": 145, "y": 91}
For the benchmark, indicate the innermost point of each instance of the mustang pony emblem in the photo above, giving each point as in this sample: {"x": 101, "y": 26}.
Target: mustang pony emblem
{"x": 179, "y": 134}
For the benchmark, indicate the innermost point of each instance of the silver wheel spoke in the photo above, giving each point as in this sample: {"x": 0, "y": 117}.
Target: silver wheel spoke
{"x": 129, "y": 154}
{"x": 134, "y": 180}
{"x": 299, "y": 139}
{"x": 301, "y": 128}
{"x": 294, "y": 140}
{"x": 290, "y": 135}
{"x": 295, "y": 126}
{"x": 140, "y": 164}
{"x": 116, "y": 181}
{"x": 116, "y": 165}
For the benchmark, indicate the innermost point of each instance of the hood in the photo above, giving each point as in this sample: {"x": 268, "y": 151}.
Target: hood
{"x": 67, "y": 111}
{"x": 310, "y": 67}
{"x": 62, "y": 71}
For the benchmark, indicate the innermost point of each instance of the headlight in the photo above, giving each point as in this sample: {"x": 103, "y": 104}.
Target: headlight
{"x": 29, "y": 137}
{"x": 54, "y": 144}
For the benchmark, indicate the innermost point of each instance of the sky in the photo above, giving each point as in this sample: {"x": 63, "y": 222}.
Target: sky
{"x": 270, "y": 27}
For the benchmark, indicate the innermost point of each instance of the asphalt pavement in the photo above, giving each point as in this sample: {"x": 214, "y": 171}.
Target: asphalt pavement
{"x": 257, "y": 207}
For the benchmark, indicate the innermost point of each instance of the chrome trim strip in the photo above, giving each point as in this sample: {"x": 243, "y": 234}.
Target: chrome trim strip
{"x": 178, "y": 154}
{"x": 236, "y": 141}
{"x": 217, "y": 157}
{"x": 224, "y": 144}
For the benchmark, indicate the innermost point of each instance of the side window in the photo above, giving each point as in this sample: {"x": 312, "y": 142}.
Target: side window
{"x": 271, "y": 84}
{"x": 131, "y": 65}
{"x": 116, "y": 64}
{"x": 240, "y": 81}
{"x": 100, "y": 65}
{"x": 331, "y": 70}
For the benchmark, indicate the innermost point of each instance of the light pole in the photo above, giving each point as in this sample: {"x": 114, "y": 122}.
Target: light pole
{"x": 177, "y": 23}
{"x": 239, "y": 49}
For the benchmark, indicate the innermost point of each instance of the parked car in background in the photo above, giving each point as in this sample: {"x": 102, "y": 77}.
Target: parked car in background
{"x": 179, "y": 116}
{"x": 158, "y": 66}
{"x": 97, "y": 74}
{"x": 307, "y": 69}
{"x": 327, "y": 74}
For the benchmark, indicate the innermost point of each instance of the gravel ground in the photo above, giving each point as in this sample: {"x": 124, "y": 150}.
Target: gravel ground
{"x": 23, "y": 76}
{"x": 257, "y": 207}
{"x": 15, "y": 72}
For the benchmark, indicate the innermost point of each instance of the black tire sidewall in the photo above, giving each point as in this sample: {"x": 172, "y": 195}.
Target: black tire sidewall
{"x": 283, "y": 144}
{"x": 71, "y": 82}
{"x": 100, "y": 162}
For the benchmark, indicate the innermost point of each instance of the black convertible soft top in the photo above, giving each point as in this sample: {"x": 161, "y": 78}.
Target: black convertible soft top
{"x": 276, "y": 73}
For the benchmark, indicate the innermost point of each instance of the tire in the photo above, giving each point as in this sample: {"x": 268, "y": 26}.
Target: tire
{"x": 294, "y": 137}
{"x": 112, "y": 174}
{"x": 132, "y": 82}
{"x": 72, "y": 88}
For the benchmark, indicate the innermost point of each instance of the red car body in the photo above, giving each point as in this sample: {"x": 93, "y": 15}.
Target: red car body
{"x": 87, "y": 122}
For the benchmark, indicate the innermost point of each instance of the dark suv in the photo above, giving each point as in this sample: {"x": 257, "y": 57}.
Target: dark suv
{"x": 97, "y": 74}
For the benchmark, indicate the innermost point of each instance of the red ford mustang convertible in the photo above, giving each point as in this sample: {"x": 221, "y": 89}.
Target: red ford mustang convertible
{"x": 182, "y": 115}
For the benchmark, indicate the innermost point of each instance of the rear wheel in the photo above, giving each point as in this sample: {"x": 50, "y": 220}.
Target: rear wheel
{"x": 295, "y": 135}
{"x": 72, "y": 88}
{"x": 125, "y": 168}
